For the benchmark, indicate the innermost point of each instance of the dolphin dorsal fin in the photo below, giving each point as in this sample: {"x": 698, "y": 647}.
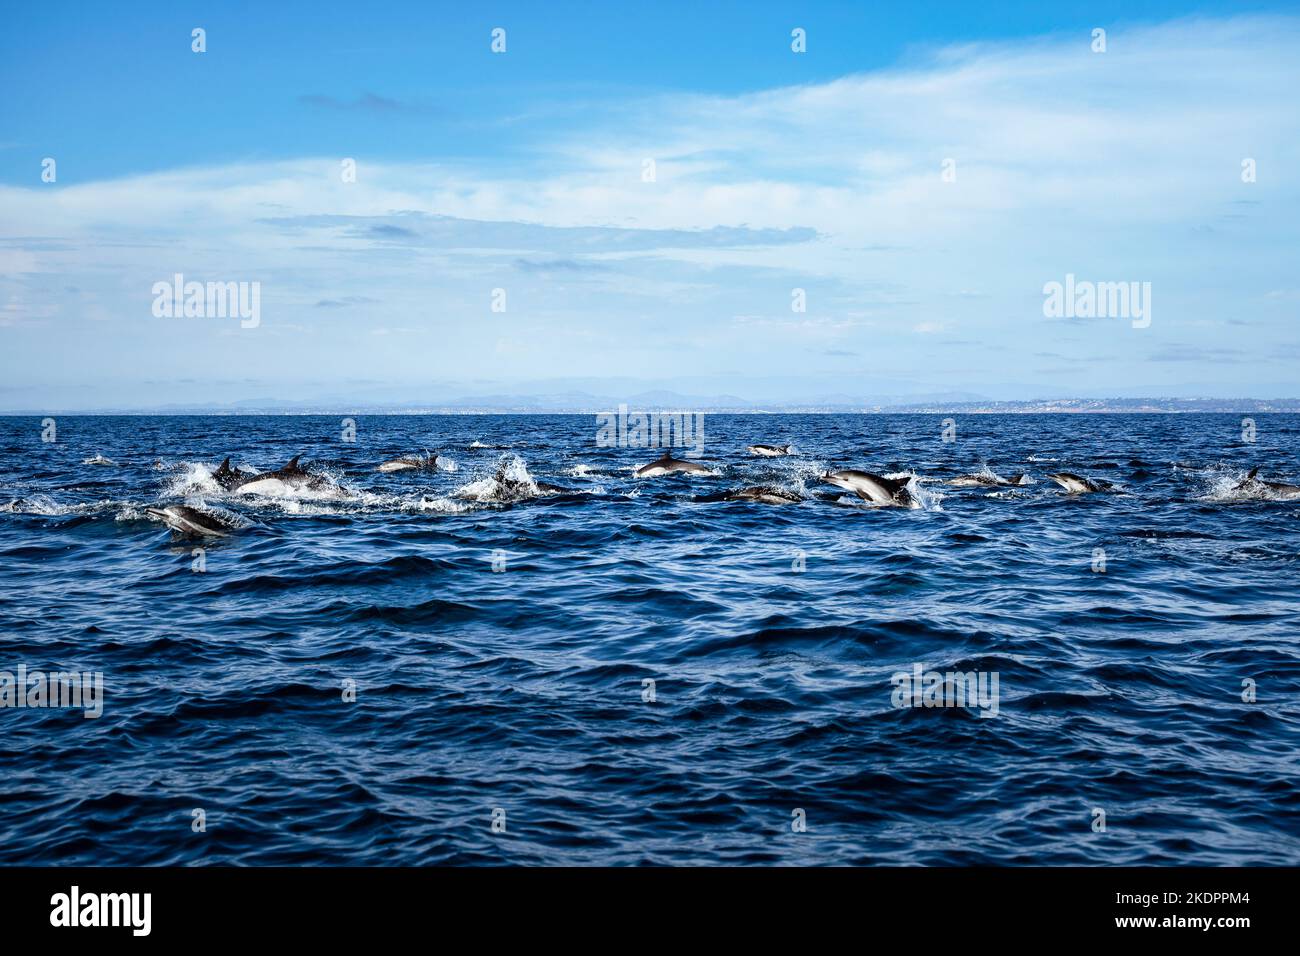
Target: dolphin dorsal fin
{"x": 293, "y": 463}
{"x": 894, "y": 484}
{"x": 225, "y": 465}
{"x": 1253, "y": 472}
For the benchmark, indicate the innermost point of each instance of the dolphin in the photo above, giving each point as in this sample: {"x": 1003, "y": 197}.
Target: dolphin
{"x": 767, "y": 496}
{"x": 1076, "y": 485}
{"x": 427, "y": 462}
{"x": 667, "y": 464}
{"x": 515, "y": 489}
{"x": 1250, "y": 479}
{"x": 186, "y": 520}
{"x": 227, "y": 477}
{"x": 872, "y": 488}
{"x": 291, "y": 478}
{"x": 769, "y": 451}
{"x": 98, "y": 460}
{"x": 1279, "y": 489}
{"x": 985, "y": 480}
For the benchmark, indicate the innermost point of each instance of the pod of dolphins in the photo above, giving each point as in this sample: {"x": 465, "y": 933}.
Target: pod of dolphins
{"x": 870, "y": 487}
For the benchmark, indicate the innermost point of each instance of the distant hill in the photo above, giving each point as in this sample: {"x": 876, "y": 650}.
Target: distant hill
{"x": 659, "y": 401}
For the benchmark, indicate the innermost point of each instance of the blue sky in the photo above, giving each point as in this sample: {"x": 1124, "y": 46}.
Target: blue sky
{"x": 523, "y": 171}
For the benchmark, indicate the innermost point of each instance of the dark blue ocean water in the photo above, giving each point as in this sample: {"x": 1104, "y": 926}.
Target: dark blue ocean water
{"x": 521, "y": 690}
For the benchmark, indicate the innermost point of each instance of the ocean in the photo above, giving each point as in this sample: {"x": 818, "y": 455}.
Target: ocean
{"x": 425, "y": 669}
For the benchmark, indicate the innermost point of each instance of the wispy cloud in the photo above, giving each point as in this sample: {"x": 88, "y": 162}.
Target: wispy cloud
{"x": 365, "y": 103}
{"x": 345, "y": 301}
{"x": 560, "y": 265}
{"x": 444, "y": 231}
{"x": 1189, "y": 353}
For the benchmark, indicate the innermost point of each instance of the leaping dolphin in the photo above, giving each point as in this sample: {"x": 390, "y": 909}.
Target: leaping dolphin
{"x": 762, "y": 495}
{"x": 291, "y": 478}
{"x": 769, "y": 451}
{"x": 1077, "y": 485}
{"x": 427, "y": 462}
{"x": 186, "y": 520}
{"x": 1281, "y": 489}
{"x": 985, "y": 480}
{"x": 667, "y": 464}
{"x": 873, "y": 488}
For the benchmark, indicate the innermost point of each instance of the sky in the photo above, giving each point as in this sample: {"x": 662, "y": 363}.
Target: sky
{"x": 640, "y": 197}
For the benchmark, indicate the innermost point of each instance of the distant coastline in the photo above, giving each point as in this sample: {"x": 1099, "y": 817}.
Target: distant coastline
{"x": 543, "y": 406}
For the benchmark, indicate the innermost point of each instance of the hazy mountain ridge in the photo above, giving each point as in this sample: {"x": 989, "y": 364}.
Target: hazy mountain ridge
{"x": 666, "y": 401}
